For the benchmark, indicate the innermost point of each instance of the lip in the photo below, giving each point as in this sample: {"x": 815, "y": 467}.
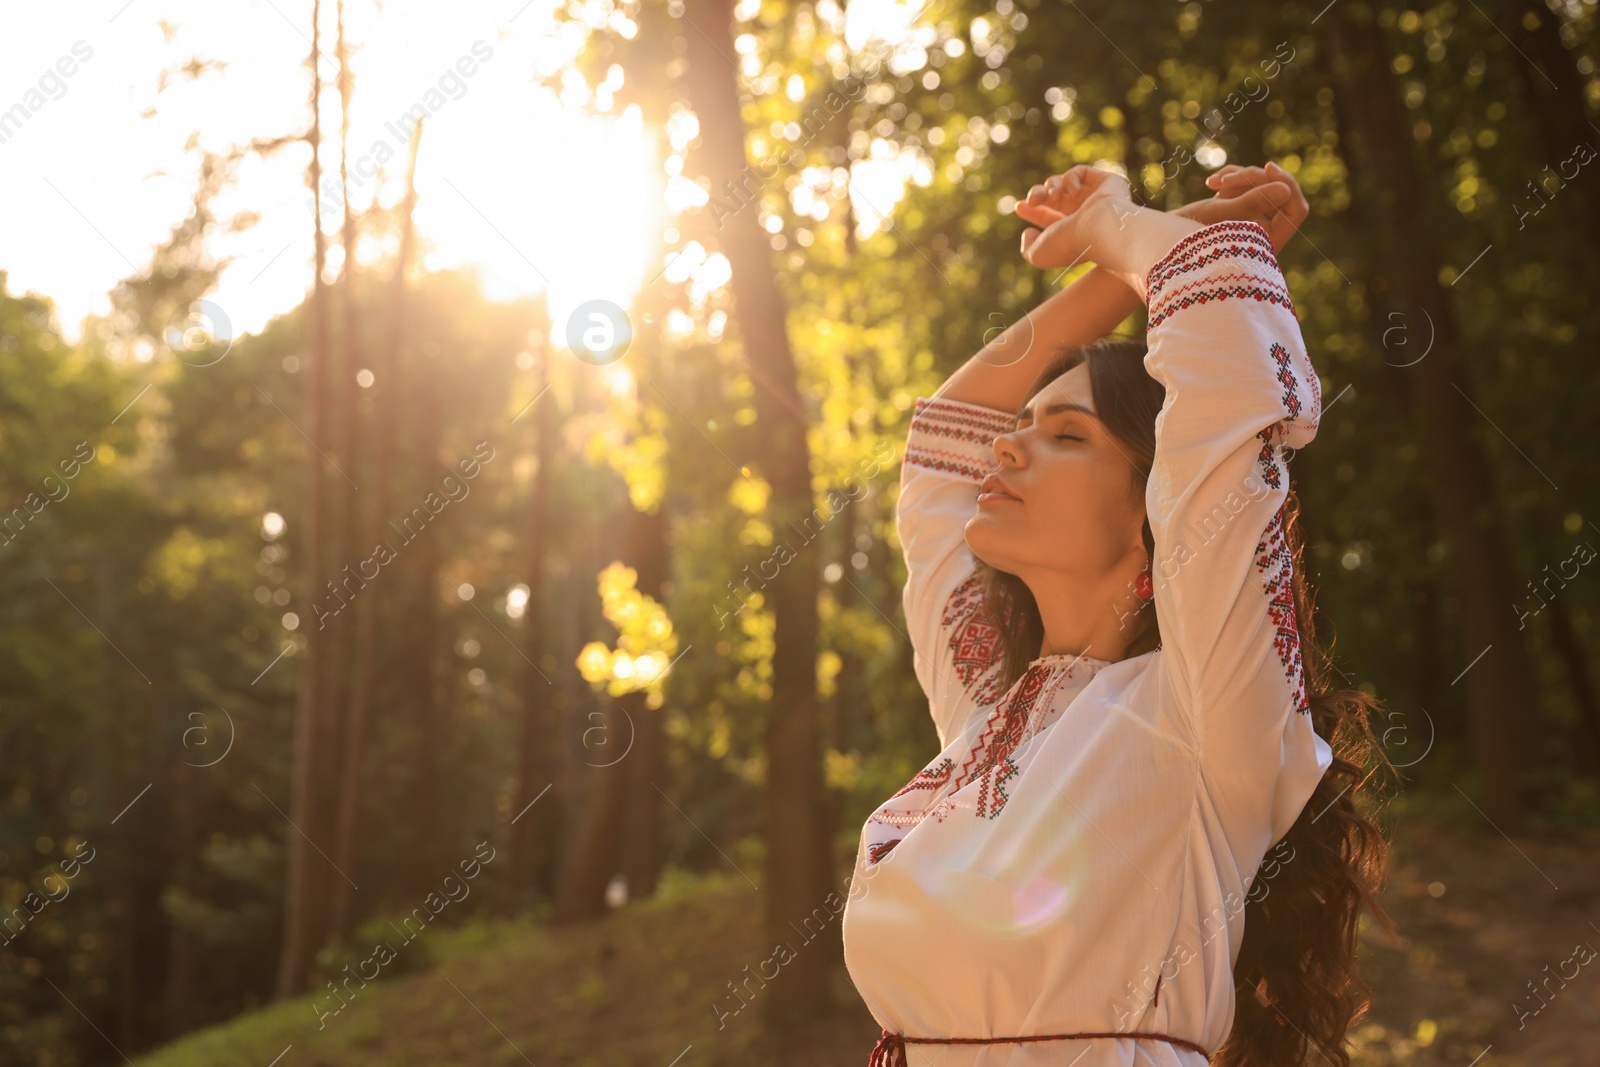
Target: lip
{"x": 994, "y": 487}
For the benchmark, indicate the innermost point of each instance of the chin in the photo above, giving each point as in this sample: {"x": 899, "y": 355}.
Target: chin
{"x": 988, "y": 543}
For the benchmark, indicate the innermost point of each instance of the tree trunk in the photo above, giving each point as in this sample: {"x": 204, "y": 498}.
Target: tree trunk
{"x": 625, "y": 736}
{"x": 650, "y": 553}
{"x": 798, "y": 874}
{"x": 421, "y": 553}
{"x": 642, "y": 847}
{"x": 834, "y": 725}
{"x": 182, "y": 952}
{"x": 387, "y": 383}
{"x": 1569, "y": 646}
{"x": 536, "y": 830}
{"x": 596, "y": 847}
{"x": 1545, "y": 71}
{"x": 304, "y": 904}
{"x": 1502, "y": 693}
{"x": 1427, "y": 665}
{"x": 345, "y": 433}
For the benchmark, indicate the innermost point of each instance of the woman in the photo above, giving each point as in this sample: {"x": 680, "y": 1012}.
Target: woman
{"x": 1107, "y": 619}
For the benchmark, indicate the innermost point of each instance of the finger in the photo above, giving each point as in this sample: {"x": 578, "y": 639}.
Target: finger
{"x": 1038, "y": 214}
{"x": 1029, "y": 237}
{"x": 1036, "y": 195}
{"x": 1238, "y": 185}
{"x": 1246, "y": 175}
{"x": 1276, "y": 172}
{"x": 1051, "y": 248}
{"x": 1218, "y": 175}
{"x": 1266, "y": 202}
{"x": 1277, "y": 193}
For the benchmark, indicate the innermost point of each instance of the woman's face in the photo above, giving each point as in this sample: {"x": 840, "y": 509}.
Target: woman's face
{"x": 1074, "y": 508}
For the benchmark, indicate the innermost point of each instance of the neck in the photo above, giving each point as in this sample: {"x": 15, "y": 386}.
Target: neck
{"x": 1106, "y": 620}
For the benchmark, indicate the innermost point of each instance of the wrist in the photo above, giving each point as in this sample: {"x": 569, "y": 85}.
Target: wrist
{"x": 1110, "y": 226}
{"x": 1130, "y": 239}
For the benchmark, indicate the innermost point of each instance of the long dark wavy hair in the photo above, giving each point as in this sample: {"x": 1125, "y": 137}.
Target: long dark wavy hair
{"x": 1295, "y": 978}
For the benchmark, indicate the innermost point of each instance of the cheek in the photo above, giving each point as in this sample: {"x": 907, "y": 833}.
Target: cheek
{"x": 1089, "y": 508}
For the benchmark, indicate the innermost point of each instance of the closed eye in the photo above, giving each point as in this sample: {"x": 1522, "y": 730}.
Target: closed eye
{"x": 1067, "y": 437}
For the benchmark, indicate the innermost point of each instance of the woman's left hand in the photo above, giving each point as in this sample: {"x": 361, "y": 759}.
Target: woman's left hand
{"x": 1055, "y": 208}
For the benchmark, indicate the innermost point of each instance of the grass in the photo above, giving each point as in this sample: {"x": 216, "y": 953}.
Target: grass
{"x": 1480, "y": 917}
{"x": 636, "y": 987}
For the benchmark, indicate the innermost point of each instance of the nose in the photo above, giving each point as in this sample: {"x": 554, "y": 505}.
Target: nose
{"x": 1008, "y": 450}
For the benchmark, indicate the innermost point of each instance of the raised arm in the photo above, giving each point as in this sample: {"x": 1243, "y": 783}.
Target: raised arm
{"x": 1225, "y": 342}
{"x": 949, "y": 448}
{"x": 1102, "y": 298}
{"x": 950, "y": 444}
{"x": 999, "y": 375}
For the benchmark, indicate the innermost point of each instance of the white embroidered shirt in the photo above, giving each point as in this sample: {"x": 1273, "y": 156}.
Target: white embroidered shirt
{"x": 1077, "y": 856}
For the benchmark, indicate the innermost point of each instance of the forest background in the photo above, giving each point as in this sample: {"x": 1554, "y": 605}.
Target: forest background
{"x": 455, "y": 480}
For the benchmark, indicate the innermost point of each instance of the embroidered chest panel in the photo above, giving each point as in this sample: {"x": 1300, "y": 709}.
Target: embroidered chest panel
{"x": 987, "y": 764}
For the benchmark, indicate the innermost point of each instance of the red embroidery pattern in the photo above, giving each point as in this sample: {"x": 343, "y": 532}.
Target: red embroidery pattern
{"x": 1221, "y": 287}
{"x": 1285, "y": 376}
{"x": 955, "y": 437}
{"x": 1268, "y": 456}
{"x": 877, "y": 852}
{"x": 1195, "y": 241}
{"x": 901, "y": 818}
{"x": 1273, "y": 562}
{"x": 975, "y": 641}
{"x": 1245, "y": 241}
{"x": 989, "y": 762}
{"x": 1269, "y": 461}
{"x": 929, "y": 778}
{"x": 992, "y": 795}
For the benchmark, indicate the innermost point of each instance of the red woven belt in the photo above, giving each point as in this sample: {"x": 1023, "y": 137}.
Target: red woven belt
{"x": 890, "y": 1050}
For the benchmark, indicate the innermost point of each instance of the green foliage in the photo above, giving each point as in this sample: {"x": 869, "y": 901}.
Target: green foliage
{"x": 142, "y": 621}
{"x": 409, "y": 950}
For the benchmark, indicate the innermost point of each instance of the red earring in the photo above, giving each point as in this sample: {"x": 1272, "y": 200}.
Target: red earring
{"x": 1144, "y": 585}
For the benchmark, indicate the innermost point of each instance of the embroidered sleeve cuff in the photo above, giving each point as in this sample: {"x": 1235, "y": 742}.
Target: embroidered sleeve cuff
{"x": 955, "y": 437}
{"x": 1223, "y": 260}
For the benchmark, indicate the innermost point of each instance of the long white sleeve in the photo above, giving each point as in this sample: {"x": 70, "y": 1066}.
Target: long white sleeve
{"x": 1077, "y": 858}
{"x": 949, "y": 448}
{"x": 1224, "y": 340}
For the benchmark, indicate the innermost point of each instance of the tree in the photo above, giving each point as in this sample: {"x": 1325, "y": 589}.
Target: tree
{"x": 388, "y": 384}
{"x": 536, "y": 844}
{"x": 799, "y": 874}
{"x": 305, "y": 913}
{"x": 1502, "y": 689}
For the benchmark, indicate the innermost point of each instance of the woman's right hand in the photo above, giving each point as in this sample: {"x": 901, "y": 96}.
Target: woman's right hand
{"x": 1267, "y": 195}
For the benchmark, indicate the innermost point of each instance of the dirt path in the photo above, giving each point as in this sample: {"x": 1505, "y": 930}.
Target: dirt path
{"x": 1481, "y": 918}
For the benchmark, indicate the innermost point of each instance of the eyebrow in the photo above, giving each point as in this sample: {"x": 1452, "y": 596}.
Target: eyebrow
{"x": 1055, "y": 408}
